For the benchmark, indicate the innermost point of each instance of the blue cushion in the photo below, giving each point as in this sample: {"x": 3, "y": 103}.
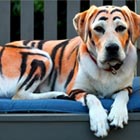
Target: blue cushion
{"x": 65, "y": 106}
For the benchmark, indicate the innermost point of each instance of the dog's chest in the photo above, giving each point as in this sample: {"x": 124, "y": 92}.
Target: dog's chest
{"x": 104, "y": 88}
{"x": 102, "y": 85}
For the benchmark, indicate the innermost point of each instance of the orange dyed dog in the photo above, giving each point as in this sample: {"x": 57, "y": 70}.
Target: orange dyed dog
{"x": 100, "y": 62}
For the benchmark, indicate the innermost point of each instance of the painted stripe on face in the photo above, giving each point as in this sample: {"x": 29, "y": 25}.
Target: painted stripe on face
{"x": 116, "y": 17}
{"x": 103, "y": 18}
{"x": 101, "y": 11}
{"x": 118, "y": 10}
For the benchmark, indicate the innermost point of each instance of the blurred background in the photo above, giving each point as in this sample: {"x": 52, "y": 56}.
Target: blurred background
{"x": 39, "y": 19}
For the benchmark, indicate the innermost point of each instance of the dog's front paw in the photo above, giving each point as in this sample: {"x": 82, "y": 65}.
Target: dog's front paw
{"x": 118, "y": 116}
{"x": 98, "y": 123}
{"x": 98, "y": 116}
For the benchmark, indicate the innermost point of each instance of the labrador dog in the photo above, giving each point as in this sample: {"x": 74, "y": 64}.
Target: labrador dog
{"x": 100, "y": 62}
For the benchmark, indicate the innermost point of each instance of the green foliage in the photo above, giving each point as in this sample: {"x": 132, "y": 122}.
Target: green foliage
{"x": 15, "y": 7}
{"x": 38, "y": 6}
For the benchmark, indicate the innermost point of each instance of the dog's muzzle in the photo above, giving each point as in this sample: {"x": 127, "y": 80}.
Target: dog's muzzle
{"x": 114, "y": 68}
{"x": 112, "y": 58}
{"x": 112, "y": 51}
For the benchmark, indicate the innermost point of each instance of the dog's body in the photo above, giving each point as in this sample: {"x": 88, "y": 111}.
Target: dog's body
{"x": 100, "y": 62}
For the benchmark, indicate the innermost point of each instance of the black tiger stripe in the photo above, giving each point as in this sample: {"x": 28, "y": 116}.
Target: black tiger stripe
{"x": 34, "y": 65}
{"x": 18, "y": 47}
{"x": 40, "y": 44}
{"x": 73, "y": 51}
{"x": 30, "y": 53}
{"x": 90, "y": 35}
{"x": 61, "y": 58}
{"x": 53, "y": 55}
{"x": 33, "y": 44}
{"x": 103, "y": 18}
{"x": 24, "y": 60}
{"x": 93, "y": 43}
{"x": 118, "y": 10}
{"x": 28, "y": 78}
{"x": 36, "y": 77}
{"x": 25, "y": 42}
{"x": 75, "y": 92}
{"x": 38, "y": 63}
{"x": 101, "y": 11}
{"x": 129, "y": 36}
{"x": 85, "y": 99}
{"x": 54, "y": 80}
{"x": 1, "y": 53}
{"x": 72, "y": 71}
{"x": 129, "y": 88}
{"x": 23, "y": 64}
{"x": 54, "y": 51}
{"x": 64, "y": 97}
{"x": 116, "y": 17}
{"x": 70, "y": 76}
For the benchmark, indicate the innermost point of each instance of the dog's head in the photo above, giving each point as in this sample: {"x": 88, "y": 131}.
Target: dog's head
{"x": 109, "y": 32}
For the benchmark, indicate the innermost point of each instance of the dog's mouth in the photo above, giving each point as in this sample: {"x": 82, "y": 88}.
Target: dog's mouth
{"x": 112, "y": 66}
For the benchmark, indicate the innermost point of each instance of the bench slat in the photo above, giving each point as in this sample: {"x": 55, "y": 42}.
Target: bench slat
{"x": 50, "y": 20}
{"x": 5, "y": 21}
{"x": 73, "y": 7}
{"x": 119, "y": 2}
{"x": 96, "y": 2}
{"x": 27, "y": 20}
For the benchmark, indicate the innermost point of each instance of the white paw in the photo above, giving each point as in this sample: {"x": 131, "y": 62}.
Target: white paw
{"x": 98, "y": 116}
{"x": 118, "y": 116}
{"x": 98, "y": 122}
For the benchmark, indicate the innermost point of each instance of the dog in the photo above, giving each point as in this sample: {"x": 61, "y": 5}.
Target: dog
{"x": 99, "y": 62}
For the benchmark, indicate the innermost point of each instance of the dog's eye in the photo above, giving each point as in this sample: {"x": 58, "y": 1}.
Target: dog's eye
{"x": 99, "y": 29}
{"x": 120, "y": 28}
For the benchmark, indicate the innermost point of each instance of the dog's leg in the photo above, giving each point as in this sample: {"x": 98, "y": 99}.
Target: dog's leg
{"x": 119, "y": 114}
{"x": 28, "y": 93}
{"x": 46, "y": 95}
{"x": 98, "y": 116}
{"x": 24, "y": 93}
{"x": 38, "y": 73}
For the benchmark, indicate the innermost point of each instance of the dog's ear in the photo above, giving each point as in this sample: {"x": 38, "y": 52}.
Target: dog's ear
{"x": 81, "y": 22}
{"x": 134, "y": 23}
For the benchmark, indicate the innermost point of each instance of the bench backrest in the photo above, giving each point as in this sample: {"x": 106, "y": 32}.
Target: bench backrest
{"x": 50, "y": 30}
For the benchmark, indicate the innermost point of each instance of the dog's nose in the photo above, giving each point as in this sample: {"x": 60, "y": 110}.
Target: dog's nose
{"x": 112, "y": 48}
